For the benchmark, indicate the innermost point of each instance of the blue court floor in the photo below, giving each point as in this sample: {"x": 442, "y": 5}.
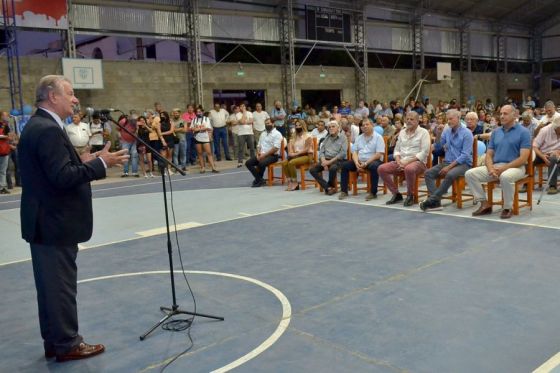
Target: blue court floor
{"x": 305, "y": 283}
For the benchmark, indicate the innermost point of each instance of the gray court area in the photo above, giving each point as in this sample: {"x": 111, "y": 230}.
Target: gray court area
{"x": 371, "y": 289}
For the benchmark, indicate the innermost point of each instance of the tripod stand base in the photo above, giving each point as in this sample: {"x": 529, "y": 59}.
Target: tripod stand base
{"x": 174, "y": 310}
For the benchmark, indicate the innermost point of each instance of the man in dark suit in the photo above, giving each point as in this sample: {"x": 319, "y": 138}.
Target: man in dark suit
{"x": 56, "y": 213}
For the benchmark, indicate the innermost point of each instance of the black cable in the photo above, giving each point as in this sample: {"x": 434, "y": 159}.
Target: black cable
{"x": 178, "y": 325}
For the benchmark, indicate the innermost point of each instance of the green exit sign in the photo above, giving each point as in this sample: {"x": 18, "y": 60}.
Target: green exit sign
{"x": 241, "y": 73}
{"x": 322, "y": 75}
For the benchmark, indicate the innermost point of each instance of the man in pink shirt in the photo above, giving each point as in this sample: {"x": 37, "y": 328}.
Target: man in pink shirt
{"x": 411, "y": 155}
{"x": 547, "y": 147}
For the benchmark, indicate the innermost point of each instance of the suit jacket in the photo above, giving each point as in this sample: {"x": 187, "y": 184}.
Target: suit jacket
{"x": 56, "y": 206}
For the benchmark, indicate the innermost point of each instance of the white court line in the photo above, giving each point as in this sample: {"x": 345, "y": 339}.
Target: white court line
{"x": 87, "y": 247}
{"x": 244, "y": 214}
{"x": 280, "y": 329}
{"x": 549, "y": 365}
{"x": 159, "y": 181}
{"x": 95, "y": 190}
{"x": 443, "y": 213}
{"x": 161, "y": 230}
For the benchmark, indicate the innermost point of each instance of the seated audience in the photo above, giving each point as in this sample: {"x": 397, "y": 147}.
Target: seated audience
{"x": 506, "y": 156}
{"x": 411, "y": 154}
{"x": 547, "y": 148}
{"x": 268, "y": 151}
{"x": 331, "y": 154}
{"x": 320, "y": 132}
{"x": 300, "y": 152}
{"x": 457, "y": 142}
{"x": 369, "y": 150}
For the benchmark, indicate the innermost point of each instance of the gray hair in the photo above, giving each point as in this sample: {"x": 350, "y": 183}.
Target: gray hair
{"x": 454, "y": 113}
{"x": 414, "y": 114}
{"x": 549, "y": 103}
{"x": 471, "y": 114}
{"x": 526, "y": 115}
{"x": 334, "y": 122}
{"x": 47, "y": 84}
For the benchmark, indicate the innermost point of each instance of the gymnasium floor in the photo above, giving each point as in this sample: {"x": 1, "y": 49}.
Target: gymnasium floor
{"x": 305, "y": 283}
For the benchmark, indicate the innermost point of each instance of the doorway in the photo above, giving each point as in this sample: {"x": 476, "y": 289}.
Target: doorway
{"x": 230, "y": 97}
{"x": 516, "y": 95}
{"x": 316, "y": 98}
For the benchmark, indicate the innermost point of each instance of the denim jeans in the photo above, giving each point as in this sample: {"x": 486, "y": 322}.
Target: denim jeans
{"x": 220, "y": 139}
{"x": 133, "y": 152}
{"x": 180, "y": 153}
{"x": 191, "y": 149}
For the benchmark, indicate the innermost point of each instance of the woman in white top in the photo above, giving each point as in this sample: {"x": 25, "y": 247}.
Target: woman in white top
{"x": 202, "y": 130}
{"x": 300, "y": 152}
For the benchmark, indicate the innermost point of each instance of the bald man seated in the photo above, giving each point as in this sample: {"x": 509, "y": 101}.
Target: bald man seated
{"x": 508, "y": 151}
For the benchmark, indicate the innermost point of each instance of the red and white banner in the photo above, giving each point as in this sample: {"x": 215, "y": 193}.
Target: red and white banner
{"x": 39, "y": 13}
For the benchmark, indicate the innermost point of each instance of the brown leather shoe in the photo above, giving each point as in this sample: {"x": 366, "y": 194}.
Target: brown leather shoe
{"x": 506, "y": 214}
{"x": 484, "y": 209}
{"x": 81, "y": 351}
{"x": 331, "y": 191}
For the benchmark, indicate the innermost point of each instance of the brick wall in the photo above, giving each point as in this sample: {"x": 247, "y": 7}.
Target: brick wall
{"x": 138, "y": 84}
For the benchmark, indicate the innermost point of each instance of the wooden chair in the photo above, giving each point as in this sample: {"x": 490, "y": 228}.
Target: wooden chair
{"x": 353, "y": 176}
{"x": 528, "y": 179}
{"x": 540, "y": 173}
{"x": 459, "y": 184}
{"x": 303, "y": 168}
{"x": 271, "y": 166}
{"x": 399, "y": 178}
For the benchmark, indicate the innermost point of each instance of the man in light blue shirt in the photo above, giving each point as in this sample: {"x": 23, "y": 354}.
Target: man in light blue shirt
{"x": 369, "y": 150}
{"x": 457, "y": 141}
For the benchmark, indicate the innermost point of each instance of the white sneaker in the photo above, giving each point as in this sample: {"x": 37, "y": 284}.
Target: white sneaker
{"x": 151, "y": 175}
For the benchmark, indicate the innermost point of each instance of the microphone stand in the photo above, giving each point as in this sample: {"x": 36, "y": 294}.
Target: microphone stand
{"x": 174, "y": 309}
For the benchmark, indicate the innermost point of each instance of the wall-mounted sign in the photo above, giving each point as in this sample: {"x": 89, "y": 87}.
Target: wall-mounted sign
{"x": 83, "y": 73}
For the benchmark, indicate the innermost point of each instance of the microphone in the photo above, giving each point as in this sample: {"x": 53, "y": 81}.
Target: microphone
{"x": 90, "y": 110}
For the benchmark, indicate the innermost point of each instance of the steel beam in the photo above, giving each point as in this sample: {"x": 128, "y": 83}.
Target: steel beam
{"x": 501, "y": 66}
{"x": 537, "y": 62}
{"x": 465, "y": 63}
{"x": 287, "y": 60}
{"x": 360, "y": 53}
{"x": 417, "y": 46}
{"x": 190, "y": 9}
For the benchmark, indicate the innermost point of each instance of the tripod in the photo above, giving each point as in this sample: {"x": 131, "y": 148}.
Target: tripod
{"x": 174, "y": 309}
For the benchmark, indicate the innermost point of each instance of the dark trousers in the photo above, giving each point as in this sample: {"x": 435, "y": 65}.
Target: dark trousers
{"x": 317, "y": 172}
{"x": 191, "y": 149}
{"x": 241, "y": 141}
{"x": 55, "y": 271}
{"x": 552, "y": 178}
{"x": 257, "y": 168}
{"x": 351, "y": 166}
{"x": 220, "y": 139}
